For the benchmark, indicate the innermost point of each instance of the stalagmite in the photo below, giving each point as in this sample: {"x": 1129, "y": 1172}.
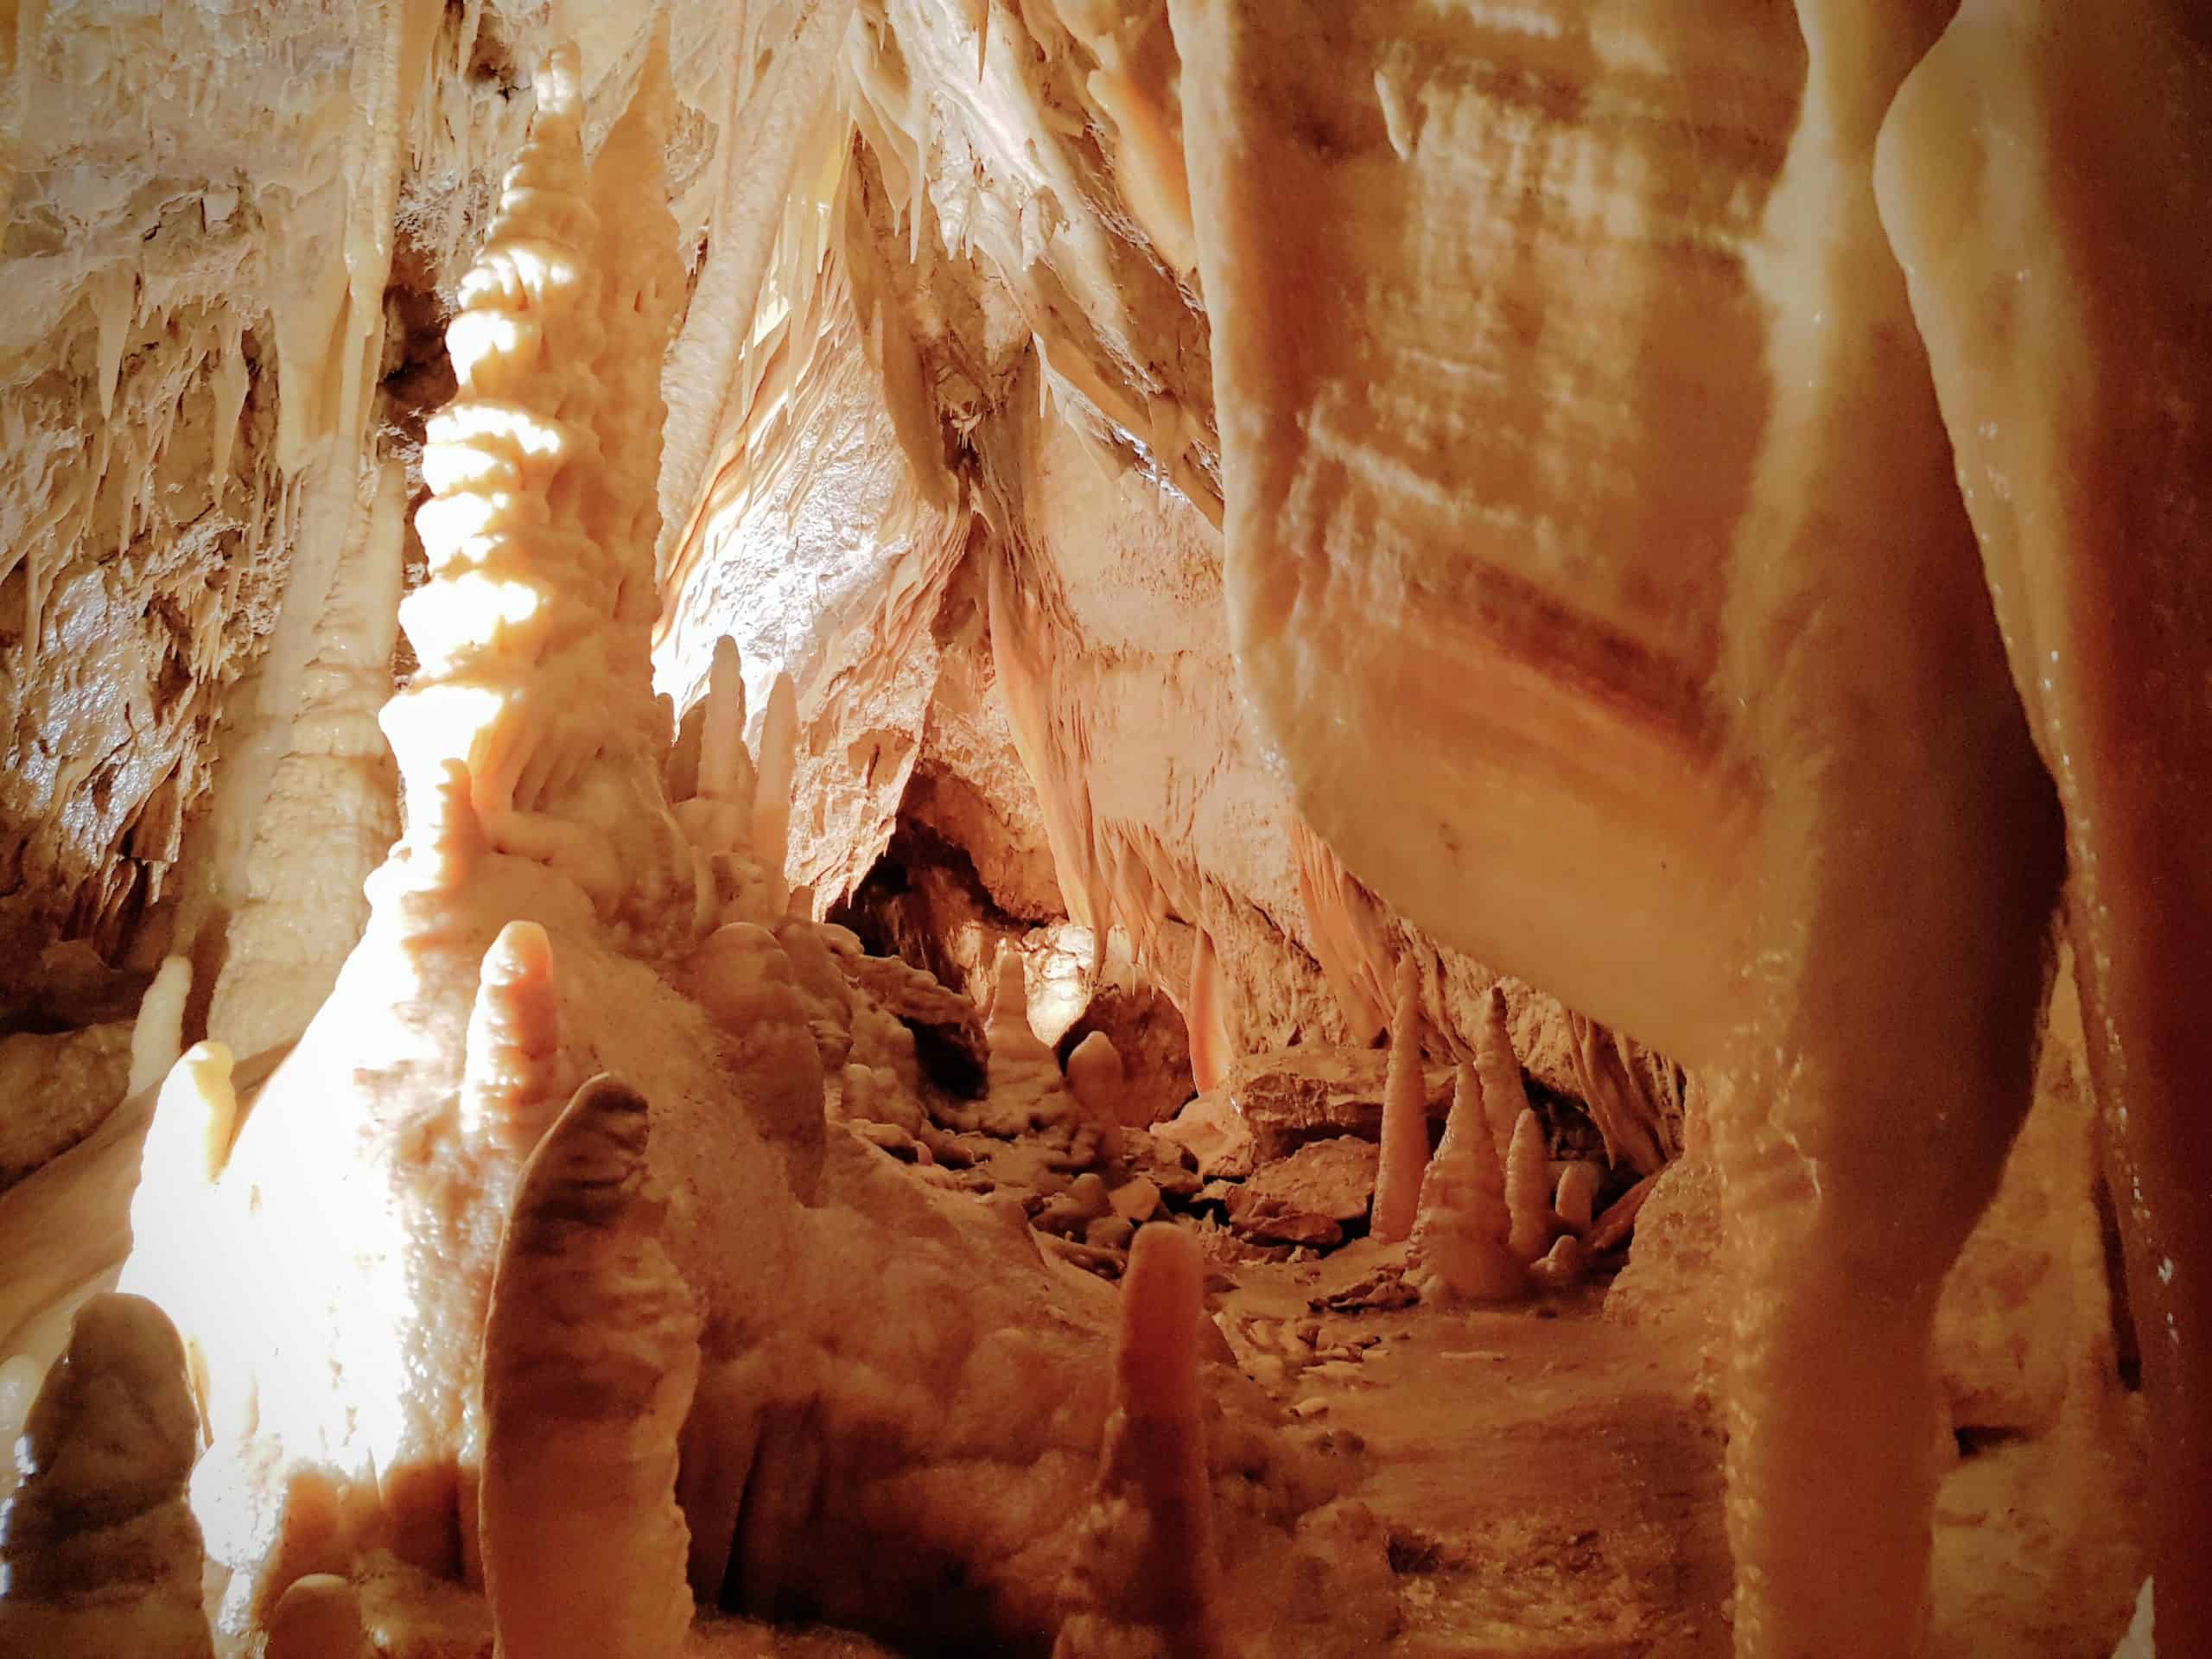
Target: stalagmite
{"x": 158, "y": 1036}
{"x": 1020, "y": 1064}
{"x": 1147, "y": 1583}
{"x": 1576, "y": 1198}
{"x": 725, "y": 769}
{"x": 173, "y": 1215}
{"x": 512, "y": 1084}
{"x": 1462, "y": 1240}
{"x": 1405, "y": 1116}
{"x": 318, "y": 1618}
{"x": 1561, "y": 1266}
{"x": 99, "y": 1556}
{"x": 590, "y": 1358}
{"x": 1505, "y": 1095}
{"x": 1529, "y": 1188}
{"x": 1096, "y": 1080}
{"x": 772, "y": 803}
{"x": 743, "y": 979}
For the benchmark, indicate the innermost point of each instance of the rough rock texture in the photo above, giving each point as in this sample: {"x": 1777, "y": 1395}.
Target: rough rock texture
{"x": 58, "y": 1090}
{"x": 102, "y": 1555}
{"x": 1289, "y": 1097}
{"x": 1306, "y": 1198}
{"x": 2025, "y": 1319}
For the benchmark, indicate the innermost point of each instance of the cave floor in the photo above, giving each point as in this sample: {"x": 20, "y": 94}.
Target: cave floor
{"x": 1551, "y": 1486}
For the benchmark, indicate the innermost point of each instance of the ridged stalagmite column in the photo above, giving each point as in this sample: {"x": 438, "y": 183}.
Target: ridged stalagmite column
{"x": 534, "y": 630}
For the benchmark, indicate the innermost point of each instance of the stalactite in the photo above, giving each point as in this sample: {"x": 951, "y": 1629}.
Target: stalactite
{"x": 1211, "y": 1047}
{"x": 1405, "y": 1116}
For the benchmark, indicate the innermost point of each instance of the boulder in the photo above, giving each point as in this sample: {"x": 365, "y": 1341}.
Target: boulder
{"x": 1213, "y": 1131}
{"x": 1289, "y": 1097}
{"x": 1306, "y": 1198}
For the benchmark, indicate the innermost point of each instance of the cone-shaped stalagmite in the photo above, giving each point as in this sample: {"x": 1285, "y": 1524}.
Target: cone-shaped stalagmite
{"x": 591, "y": 1360}
{"x": 1405, "y": 1116}
{"x": 1462, "y": 1240}
{"x": 1529, "y": 1188}
{"x": 99, "y": 1556}
{"x": 1506, "y": 1096}
{"x": 1147, "y": 1582}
